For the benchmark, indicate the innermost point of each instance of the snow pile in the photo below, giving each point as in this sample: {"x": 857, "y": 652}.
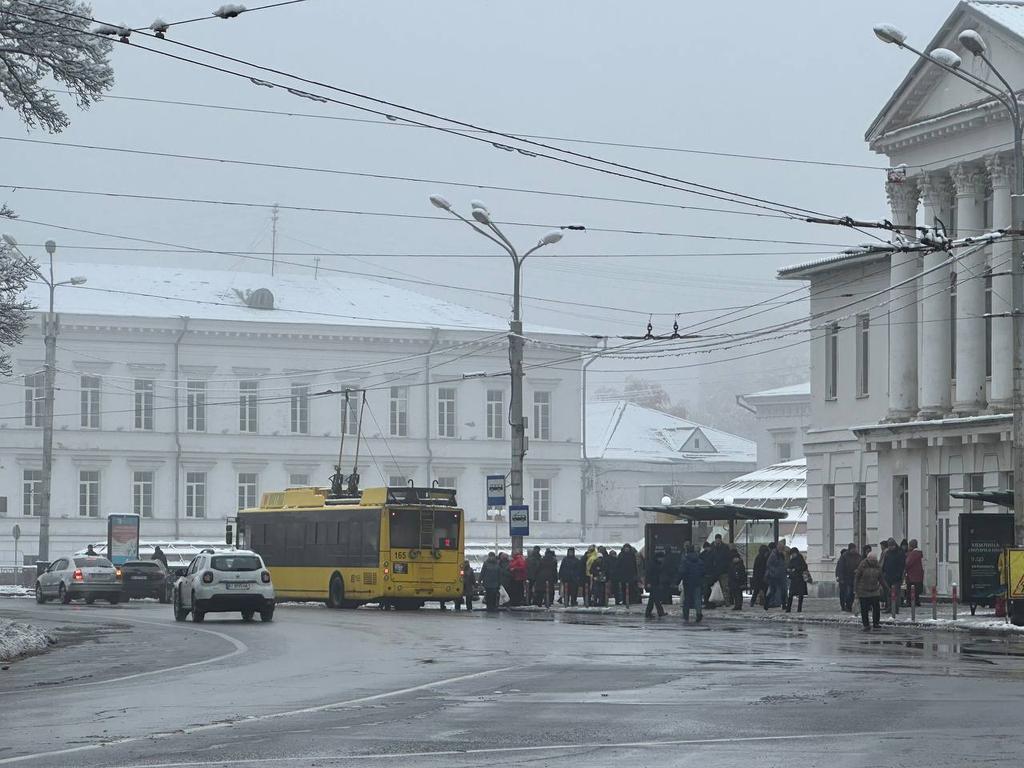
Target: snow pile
{"x": 13, "y": 590}
{"x": 19, "y": 639}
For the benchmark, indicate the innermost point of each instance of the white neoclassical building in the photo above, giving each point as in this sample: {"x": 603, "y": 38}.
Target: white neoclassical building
{"x": 911, "y": 378}
{"x": 782, "y": 415}
{"x": 183, "y": 394}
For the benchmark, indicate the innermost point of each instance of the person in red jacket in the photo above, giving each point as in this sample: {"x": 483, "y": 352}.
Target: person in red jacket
{"x": 517, "y": 567}
{"x": 915, "y": 572}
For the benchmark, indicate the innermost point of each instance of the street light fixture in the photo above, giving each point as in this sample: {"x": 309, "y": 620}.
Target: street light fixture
{"x": 974, "y": 43}
{"x": 483, "y": 224}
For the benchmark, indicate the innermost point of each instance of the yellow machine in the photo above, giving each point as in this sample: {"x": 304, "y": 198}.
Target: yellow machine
{"x": 401, "y": 546}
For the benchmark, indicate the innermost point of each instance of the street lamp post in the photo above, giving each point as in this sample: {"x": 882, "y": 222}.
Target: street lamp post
{"x": 51, "y": 327}
{"x": 485, "y": 226}
{"x": 950, "y": 61}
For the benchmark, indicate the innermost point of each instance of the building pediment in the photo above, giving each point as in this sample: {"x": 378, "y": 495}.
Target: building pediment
{"x": 930, "y": 98}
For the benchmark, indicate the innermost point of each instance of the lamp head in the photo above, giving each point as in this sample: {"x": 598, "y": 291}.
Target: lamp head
{"x": 946, "y": 58}
{"x": 439, "y": 202}
{"x": 666, "y": 500}
{"x": 973, "y": 42}
{"x": 481, "y": 215}
{"x": 479, "y": 204}
{"x": 9, "y": 239}
{"x": 77, "y": 280}
{"x": 51, "y": 247}
{"x": 550, "y": 238}
{"x": 887, "y": 33}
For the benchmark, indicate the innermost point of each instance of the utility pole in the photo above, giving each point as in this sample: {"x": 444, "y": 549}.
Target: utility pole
{"x": 273, "y": 239}
{"x": 50, "y": 330}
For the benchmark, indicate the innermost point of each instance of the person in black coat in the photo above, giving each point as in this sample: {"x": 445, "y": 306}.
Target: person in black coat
{"x": 627, "y": 574}
{"x": 655, "y": 571}
{"x": 547, "y": 575}
{"x": 669, "y": 573}
{"x": 894, "y": 564}
{"x": 532, "y": 569}
{"x": 490, "y": 574}
{"x": 737, "y": 580}
{"x": 468, "y": 587}
{"x": 569, "y": 577}
{"x": 758, "y": 581}
{"x": 796, "y": 569}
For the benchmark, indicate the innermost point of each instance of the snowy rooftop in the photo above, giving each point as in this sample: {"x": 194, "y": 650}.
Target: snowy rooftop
{"x": 624, "y": 431}
{"x": 1009, "y": 15}
{"x": 780, "y": 486}
{"x": 168, "y": 292}
{"x": 790, "y": 391}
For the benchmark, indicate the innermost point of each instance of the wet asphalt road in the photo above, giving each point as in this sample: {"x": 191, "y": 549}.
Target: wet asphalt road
{"x": 127, "y": 686}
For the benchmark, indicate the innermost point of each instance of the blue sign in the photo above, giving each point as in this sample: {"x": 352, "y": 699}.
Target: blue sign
{"x": 495, "y": 490}
{"x": 519, "y": 520}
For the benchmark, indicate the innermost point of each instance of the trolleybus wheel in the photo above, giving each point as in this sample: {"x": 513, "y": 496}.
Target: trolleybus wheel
{"x": 335, "y": 592}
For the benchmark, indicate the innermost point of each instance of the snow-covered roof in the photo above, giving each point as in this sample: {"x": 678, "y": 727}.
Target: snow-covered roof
{"x": 171, "y": 292}
{"x": 623, "y": 431}
{"x": 803, "y": 270}
{"x": 1009, "y": 15}
{"x": 793, "y": 390}
{"x": 780, "y": 486}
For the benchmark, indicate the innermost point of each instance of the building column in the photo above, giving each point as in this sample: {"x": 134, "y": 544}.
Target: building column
{"x": 935, "y": 374}
{"x": 969, "y": 181}
{"x": 1000, "y": 168}
{"x": 903, "y": 198}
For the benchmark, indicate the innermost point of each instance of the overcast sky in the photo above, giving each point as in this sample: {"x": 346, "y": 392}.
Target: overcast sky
{"x": 793, "y": 79}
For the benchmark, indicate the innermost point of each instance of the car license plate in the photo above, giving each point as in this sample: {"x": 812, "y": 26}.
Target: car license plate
{"x": 238, "y": 586}
{"x": 137, "y": 578}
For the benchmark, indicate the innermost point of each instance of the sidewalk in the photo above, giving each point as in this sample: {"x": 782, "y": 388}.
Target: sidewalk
{"x": 821, "y": 610}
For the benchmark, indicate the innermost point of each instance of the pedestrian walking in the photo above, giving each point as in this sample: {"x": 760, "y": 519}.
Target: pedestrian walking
{"x": 893, "y": 567}
{"x": 654, "y": 584}
{"x": 868, "y": 586}
{"x": 490, "y": 575}
{"x": 846, "y": 568}
{"x": 691, "y": 582}
{"x": 469, "y": 585}
{"x": 569, "y": 577}
{"x": 915, "y": 573}
{"x": 758, "y": 580}
{"x": 737, "y": 580}
{"x": 158, "y": 554}
{"x": 518, "y": 571}
{"x": 775, "y": 573}
{"x": 799, "y": 578}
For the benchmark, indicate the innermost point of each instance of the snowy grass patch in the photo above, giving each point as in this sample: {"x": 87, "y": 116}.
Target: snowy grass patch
{"x": 18, "y": 639}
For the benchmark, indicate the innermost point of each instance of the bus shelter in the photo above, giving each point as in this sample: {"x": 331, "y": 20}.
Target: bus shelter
{"x": 746, "y": 527}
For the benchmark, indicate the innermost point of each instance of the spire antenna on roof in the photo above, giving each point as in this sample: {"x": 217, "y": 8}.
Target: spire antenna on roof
{"x": 273, "y": 238}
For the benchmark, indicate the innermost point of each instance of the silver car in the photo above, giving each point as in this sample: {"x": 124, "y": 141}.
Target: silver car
{"x": 80, "y": 576}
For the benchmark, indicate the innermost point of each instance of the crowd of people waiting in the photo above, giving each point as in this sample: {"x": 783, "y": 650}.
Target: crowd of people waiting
{"x": 889, "y": 580}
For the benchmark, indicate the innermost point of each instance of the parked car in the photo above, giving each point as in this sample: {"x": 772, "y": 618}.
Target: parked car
{"x": 145, "y": 578}
{"x": 80, "y": 576}
{"x": 218, "y": 581}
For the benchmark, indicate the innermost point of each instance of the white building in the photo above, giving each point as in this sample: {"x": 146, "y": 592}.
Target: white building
{"x": 635, "y": 456}
{"x": 183, "y": 394}
{"x": 911, "y": 388}
{"x": 783, "y": 415}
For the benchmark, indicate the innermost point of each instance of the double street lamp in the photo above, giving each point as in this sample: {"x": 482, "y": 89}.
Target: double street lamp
{"x": 483, "y": 224}
{"x": 51, "y": 327}
{"x": 951, "y": 62}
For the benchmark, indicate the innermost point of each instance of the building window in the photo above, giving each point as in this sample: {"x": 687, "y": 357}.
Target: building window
{"x": 32, "y": 492}
{"x": 942, "y": 518}
{"x": 247, "y": 482}
{"x": 399, "y": 411}
{"x": 35, "y": 394}
{"x": 298, "y": 480}
{"x": 195, "y": 494}
{"x": 300, "y": 409}
{"x": 446, "y": 412}
{"x": 142, "y": 493}
{"x": 860, "y": 515}
{"x": 541, "y": 499}
{"x": 541, "y": 415}
{"x": 248, "y": 395}
{"x": 832, "y": 361}
{"x": 396, "y": 481}
{"x": 900, "y": 506}
{"x": 446, "y": 482}
{"x": 144, "y": 389}
{"x": 863, "y": 333}
{"x": 195, "y": 406}
{"x": 89, "y": 493}
{"x": 350, "y": 416}
{"x": 975, "y": 482}
{"x": 828, "y": 520}
{"x": 784, "y": 451}
{"x": 90, "y": 401}
{"x": 952, "y": 326}
{"x": 988, "y": 322}
{"x": 495, "y": 414}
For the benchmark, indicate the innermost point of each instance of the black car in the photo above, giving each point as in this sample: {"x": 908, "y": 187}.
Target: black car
{"x": 145, "y": 578}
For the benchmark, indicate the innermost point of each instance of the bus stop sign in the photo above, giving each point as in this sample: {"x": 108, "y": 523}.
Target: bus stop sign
{"x": 495, "y": 490}
{"x": 519, "y": 520}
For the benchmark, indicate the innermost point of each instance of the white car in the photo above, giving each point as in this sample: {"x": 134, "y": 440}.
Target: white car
{"x": 80, "y": 576}
{"x": 224, "y": 580}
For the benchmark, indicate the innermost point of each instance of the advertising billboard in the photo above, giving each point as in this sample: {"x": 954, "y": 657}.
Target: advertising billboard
{"x": 122, "y": 538}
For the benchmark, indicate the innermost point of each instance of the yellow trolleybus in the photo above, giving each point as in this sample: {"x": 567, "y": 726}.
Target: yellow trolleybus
{"x": 401, "y": 546}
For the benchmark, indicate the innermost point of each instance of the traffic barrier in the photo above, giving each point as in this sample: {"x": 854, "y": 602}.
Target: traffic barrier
{"x": 935, "y": 602}
{"x": 913, "y": 602}
{"x": 954, "y": 602}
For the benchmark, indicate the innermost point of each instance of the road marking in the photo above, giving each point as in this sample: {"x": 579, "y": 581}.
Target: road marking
{"x": 254, "y": 719}
{"x": 240, "y": 648}
{"x": 535, "y": 748}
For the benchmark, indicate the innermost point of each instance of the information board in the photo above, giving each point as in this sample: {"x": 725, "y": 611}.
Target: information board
{"x": 519, "y": 520}
{"x": 983, "y": 539}
{"x": 122, "y": 538}
{"x": 495, "y": 490}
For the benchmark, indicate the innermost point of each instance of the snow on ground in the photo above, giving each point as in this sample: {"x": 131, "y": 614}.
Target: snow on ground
{"x": 11, "y": 590}
{"x": 19, "y": 639}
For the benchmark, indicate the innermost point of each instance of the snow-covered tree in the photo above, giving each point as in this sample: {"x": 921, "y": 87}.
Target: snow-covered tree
{"x": 53, "y": 42}
{"x": 15, "y": 272}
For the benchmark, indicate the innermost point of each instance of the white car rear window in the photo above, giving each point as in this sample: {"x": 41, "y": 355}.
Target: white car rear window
{"x": 235, "y": 563}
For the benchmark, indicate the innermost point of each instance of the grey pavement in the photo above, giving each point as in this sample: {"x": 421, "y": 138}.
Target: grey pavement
{"x": 127, "y": 686}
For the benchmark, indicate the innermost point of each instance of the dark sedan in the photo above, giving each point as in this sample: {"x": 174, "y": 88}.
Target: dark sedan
{"x": 145, "y": 578}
